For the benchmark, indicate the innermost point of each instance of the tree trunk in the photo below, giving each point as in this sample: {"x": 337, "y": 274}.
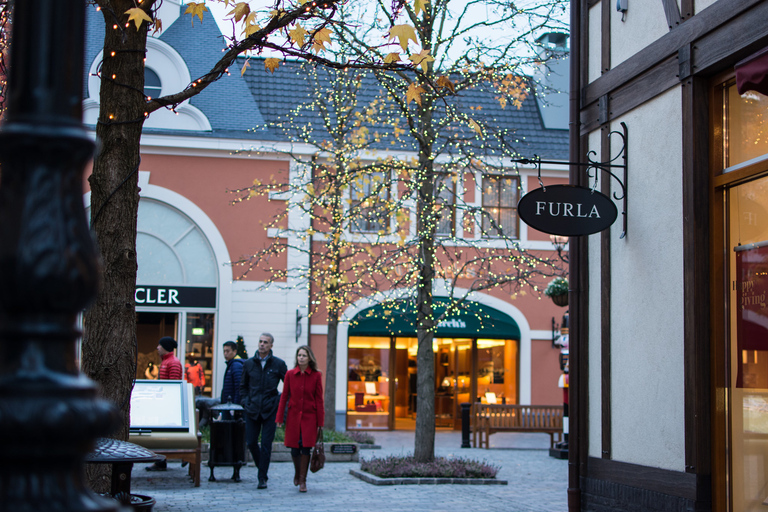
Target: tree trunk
{"x": 330, "y": 372}
{"x": 109, "y": 326}
{"x": 424, "y": 450}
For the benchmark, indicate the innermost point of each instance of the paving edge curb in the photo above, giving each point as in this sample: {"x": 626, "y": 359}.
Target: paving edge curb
{"x": 375, "y": 480}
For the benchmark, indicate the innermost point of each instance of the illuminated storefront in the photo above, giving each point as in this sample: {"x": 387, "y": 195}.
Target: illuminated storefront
{"x": 745, "y": 351}
{"x": 476, "y": 354}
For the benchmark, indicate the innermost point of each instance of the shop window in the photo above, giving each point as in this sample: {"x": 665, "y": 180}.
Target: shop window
{"x": 198, "y": 367}
{"x": 368, "y": 388}
{"x": 746, "y": 126}
{"x": 741, "y": 135}
{"x": 497, "y": 371}
{"x": 500, "y": 198}
{"x": 369, "y": 203}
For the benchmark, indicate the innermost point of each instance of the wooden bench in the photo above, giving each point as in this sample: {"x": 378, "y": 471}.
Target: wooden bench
{"x": 192, "y": 455}
{"x": 488, "y": 419}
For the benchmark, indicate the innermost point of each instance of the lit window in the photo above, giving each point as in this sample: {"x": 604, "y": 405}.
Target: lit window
{"x": 445, "y": 196}
{"x": 369, "y": 209}
{"x": 500, "y": 197}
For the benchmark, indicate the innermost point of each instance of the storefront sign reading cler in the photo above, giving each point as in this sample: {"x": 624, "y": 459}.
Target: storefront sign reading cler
{"x": 567, "y": 210}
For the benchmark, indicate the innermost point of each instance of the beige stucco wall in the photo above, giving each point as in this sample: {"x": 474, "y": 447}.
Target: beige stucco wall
{"x": 644, "y": 23}
{"x": 594, "y": 350}
{"x": 700, "y": 5}
{"x": 647, "y": 294}
{"x": 594, "y": 70}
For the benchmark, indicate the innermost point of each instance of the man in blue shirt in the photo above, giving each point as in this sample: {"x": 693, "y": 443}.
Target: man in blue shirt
{"x": 259, "y": 397}
{"x": 230, "y": 391}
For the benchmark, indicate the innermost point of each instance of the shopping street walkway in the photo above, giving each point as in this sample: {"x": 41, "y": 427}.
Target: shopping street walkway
{"x": 537, "y": 483}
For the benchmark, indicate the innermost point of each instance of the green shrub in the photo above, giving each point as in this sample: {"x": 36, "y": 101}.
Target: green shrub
{"x": 558, "y": 286}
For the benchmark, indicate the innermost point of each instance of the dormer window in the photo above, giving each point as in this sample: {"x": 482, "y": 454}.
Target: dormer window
{"x": 152, "y": 85}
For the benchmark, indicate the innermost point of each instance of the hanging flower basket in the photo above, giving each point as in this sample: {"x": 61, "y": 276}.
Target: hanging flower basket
{"x": 560, "y": 300}
{"x": 557, "y": 290}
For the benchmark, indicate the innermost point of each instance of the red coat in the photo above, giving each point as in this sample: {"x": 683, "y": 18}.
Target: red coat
{"x": 170, "y": 368}
{"x": 303, "y": 395}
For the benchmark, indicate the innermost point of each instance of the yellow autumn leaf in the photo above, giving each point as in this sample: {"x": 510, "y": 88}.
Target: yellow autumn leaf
{"x": 391, "y": 58}
{"x": 473, "y": 124}
{"x": 250, "y": 29}
{"x": 271, "y": 64}
{"x": 403, "y": 33}
{"x": 196, "y": 9}
{"x": 297, "y": 35}
{"x": 319, "y": 38}
{"x": 241, "y": 10}
{"x": 324, "y": 35}
{"x": 419, "y": 5}
{"x": 137, "y": 15}
{"x": 423, "y": 58}
{"x": 445, "y": 83}
{"x": 414, "y": 93}
{"x": 245, "y": 66}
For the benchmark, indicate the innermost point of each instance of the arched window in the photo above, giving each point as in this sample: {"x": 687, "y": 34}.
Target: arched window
{"x": 152, "y": 84}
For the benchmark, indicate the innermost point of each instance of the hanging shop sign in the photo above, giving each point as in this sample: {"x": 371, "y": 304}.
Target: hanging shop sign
{"x": 567, "y": 210}
{"x": 175, "y": 296}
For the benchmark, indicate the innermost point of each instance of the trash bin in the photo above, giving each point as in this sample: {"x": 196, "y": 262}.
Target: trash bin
{"x": 227, "y": 446}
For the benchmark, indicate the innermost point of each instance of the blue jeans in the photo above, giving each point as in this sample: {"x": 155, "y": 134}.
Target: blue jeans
{"x": 261, "y": 455}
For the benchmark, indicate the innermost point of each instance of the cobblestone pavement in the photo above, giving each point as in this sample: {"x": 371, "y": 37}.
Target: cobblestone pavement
{"x": 537, "y": 482}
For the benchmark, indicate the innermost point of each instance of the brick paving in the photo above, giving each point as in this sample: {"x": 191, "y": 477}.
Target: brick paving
{"x": 537, "y": 482}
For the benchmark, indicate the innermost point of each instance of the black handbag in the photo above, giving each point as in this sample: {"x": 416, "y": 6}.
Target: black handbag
{"x": 318, "y": 453}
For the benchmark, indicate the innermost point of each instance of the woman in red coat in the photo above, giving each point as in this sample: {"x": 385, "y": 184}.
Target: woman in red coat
{"x": 303, "y": 396}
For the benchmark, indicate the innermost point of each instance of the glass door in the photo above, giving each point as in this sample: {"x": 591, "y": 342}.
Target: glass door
{"x": 150, "y": 327}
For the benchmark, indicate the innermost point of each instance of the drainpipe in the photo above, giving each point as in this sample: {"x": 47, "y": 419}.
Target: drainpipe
{"x": 574, "y": 389}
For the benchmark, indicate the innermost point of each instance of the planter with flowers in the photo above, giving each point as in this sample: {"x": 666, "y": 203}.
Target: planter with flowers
{"x": 557, "y": 290}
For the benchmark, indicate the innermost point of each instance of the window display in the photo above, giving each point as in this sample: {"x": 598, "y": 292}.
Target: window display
{"x": 368, "y": 388}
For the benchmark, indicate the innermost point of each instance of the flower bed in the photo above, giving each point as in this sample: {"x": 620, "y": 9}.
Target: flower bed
{"x": 442, "y": 467}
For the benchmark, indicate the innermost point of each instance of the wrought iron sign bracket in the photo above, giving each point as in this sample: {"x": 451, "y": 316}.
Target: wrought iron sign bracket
{"x": 591, "y": 168}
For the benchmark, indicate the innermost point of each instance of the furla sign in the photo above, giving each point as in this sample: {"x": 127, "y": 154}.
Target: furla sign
{"x": 567, "y": 210}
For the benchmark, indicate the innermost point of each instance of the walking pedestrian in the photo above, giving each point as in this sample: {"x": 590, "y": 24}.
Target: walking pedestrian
{"x": 303, "y": 396}
{"x": 259, "y": 397}
{"x": 230, "y": 390}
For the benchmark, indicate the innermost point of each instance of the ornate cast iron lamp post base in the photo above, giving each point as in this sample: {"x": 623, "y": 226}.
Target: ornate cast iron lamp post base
{"x": 49, "y": 414}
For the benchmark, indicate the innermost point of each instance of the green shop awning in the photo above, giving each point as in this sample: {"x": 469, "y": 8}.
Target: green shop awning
{"x": 467, "y": 320}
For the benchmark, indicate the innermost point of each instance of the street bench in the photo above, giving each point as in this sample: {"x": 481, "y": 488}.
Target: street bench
{"x": 488, "y": 419}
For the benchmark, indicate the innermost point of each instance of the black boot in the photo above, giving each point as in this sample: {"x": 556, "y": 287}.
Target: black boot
{"x": 296, "y": 468}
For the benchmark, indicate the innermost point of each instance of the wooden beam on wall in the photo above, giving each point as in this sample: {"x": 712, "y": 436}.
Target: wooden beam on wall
{"x": 696, "y": 285}
{"x": 720, "y": 13}
{"x": 672, "y": 12}
{"x": 605, "y": 307}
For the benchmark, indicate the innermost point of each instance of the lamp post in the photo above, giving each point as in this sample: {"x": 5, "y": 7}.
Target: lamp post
{"x": 49, "y": 413}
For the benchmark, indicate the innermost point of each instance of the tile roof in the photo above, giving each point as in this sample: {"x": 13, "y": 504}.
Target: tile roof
{"x": 247, "y": 106}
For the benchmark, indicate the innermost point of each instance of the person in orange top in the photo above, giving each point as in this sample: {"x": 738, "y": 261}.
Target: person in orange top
{"x": 303, "y": 397}
{"x": 195, "y": 375}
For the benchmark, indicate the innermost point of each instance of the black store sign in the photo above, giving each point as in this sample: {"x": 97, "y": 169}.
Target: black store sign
{"x": 567, "y": 210}
{"x": 175, "y": 296}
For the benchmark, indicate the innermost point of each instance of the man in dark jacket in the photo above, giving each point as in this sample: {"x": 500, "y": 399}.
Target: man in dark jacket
{"x": 230, "y": 391}
{"x": 259, "y": 397}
